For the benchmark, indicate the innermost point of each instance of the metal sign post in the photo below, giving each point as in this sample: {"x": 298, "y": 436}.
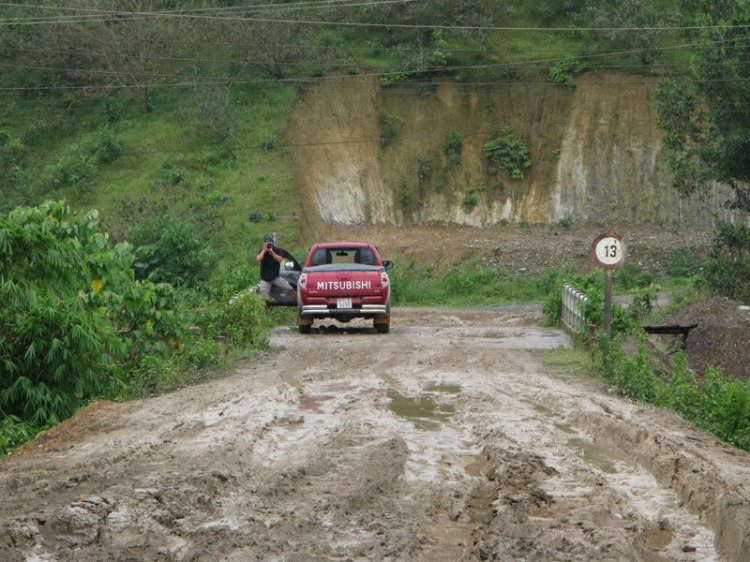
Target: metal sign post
{"x": 608, "y": 252}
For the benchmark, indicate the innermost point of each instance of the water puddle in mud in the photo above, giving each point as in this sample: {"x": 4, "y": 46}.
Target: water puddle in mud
{"x": 658, "y": 539}
{"x": 593, "y": 454}
{"x": 422, "y": 411}
{"x": 565, "y": 428}
{"x": 544, "y": 410}
{"x": 444, "y": 388}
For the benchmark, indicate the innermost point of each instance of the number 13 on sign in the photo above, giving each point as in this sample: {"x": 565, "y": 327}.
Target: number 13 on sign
{"x": 609, "y": 251}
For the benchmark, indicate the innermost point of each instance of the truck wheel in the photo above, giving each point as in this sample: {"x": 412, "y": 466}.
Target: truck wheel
{"x": 382, "y": 327}
{"x": 304, "y": 325}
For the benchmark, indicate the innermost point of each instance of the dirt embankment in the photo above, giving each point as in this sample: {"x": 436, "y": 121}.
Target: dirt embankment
{"x": 445, "y": 440}
{"x": 722, "y": 337}
{"x": 596, "y": 155}
{"x": 517, "y": 250}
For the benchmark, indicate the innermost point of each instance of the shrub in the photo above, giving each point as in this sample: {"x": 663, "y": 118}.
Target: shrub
{"x": 76, "y": 168}
{"x": 14, "y": 432}
{"x": 58, "y": 347}
{"x": 170, "y": 250}
{"x": 508, "y": 151}
{"x": 564, "y": 71}
{"x": 158, "y": 373}
{"x": 471, "y": 200}
{"x": 268, "y": 142}
{"x": 629, "y": 276}
{"x": 453, "y": 147}
{"x": 683, "y": 263}
{"x": 389, "y": 127}
{"x": 242, "y": 317}
{"x": 170, "y": 174}
{"x": 424, "y": 168}
{"x": 592, "y": 285}
{"x": 255, "y": 216}
{"x": 208, "y": 114}
{"x": 567, "y": 222}
{"x": 453, "y": 143}
{"x": 394, "y": 76}
{"x": 472, "y": 195}
{"x": 727, "y": 267}
{"x": 104, "y": 147}
{"x": 720, "y": 404}
{"x": 237, "y": 277}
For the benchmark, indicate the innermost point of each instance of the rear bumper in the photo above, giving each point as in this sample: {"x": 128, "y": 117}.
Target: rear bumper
{"x": 324, "y": 310}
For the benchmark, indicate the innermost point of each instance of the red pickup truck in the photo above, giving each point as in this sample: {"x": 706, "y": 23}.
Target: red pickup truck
{"x": 344, "y": 281}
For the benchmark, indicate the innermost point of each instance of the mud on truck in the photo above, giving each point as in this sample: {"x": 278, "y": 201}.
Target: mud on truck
{"x": 344, "y": 281}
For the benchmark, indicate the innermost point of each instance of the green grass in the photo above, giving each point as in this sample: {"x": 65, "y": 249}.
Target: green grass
{"x": 574, "y": 360}
{"x": 463, "y": 285}
{"x": 258, "y": 179}
{"x": 719, "y": 404}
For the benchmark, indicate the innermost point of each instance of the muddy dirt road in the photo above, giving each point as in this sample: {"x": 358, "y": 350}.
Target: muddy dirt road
{"x": 446, "y": 440}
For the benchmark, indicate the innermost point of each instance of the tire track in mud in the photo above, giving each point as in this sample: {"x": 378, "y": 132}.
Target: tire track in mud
{"x": 445, "y": 440}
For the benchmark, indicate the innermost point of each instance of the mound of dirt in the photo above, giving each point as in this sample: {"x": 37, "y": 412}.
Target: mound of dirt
{"x": 722, "y": 338}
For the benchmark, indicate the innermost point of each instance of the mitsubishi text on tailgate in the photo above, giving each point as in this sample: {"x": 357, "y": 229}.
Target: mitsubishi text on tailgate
{"x": 344, "y": 281}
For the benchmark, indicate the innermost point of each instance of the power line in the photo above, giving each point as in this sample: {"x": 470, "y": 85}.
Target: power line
{"x": 506, "y": 84}
{"x": 372, "y": 74}
{"x": 322, "y": 4}
{"x": 407, "y": 49}
{"x": 179, "y": 59}
{"x": 115, "y": 15}
{"x": 217, "y": 9}
{"x": 407, "y": 26}
{"x": 527, "y": 64}
{"x": 303, "y": 47}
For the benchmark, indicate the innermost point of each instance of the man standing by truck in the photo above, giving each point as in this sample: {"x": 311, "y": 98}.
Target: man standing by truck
{"x": 270, "y": 258}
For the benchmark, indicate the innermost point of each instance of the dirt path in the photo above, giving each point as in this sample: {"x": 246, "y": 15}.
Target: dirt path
{"x": 445, "y": 440}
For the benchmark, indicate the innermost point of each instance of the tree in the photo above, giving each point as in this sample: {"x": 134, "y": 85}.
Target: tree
{"x": 126, "y": 46}
{"x": 705, "y": 116}
{"x": 632, "y": 13}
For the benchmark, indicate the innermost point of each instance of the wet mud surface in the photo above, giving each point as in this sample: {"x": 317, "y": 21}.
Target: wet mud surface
{"x": 447, "y": 439}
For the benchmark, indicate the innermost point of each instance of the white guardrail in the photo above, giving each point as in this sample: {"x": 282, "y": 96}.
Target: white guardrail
{"x": 572, "y": 316}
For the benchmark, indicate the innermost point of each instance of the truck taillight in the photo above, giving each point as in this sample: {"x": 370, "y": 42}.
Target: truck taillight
{"x": 384, "y": 280}
{"x": 302, "y": 281}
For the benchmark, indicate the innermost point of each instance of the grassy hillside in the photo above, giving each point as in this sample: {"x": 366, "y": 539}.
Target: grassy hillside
{"x": 209, "y": 153}
{"x": 248, "y": 191}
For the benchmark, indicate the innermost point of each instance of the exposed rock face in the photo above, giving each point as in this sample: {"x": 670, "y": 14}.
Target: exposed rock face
{"x": 596, "y": 155}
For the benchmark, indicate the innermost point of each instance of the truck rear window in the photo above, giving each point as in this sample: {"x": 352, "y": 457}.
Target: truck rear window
{"x": 323, "y": 256}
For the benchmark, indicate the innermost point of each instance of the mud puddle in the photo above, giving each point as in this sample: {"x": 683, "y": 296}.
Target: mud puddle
{"x": 422, "y": 411}
{"x": 443, "y": 388}
{"x": 593, "y": 454}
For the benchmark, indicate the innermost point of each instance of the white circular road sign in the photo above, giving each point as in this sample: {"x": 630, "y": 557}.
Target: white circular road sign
{"x": 608, "y": 250}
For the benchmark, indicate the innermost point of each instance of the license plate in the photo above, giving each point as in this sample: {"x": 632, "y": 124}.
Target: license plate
{"x": 343, "y": 303}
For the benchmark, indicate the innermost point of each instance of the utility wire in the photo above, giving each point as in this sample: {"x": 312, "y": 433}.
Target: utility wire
{"x": 218, "y": 9}
{"x": 401, "y": 25}
{"x": 338, "y": 78}
{"x": 350, "y": 59}
{"x": 181, "y": 59}
{"x": 114, "y": 16}
{"x": 397, "y": 49}
{"x": 506, "y": 84}
{"x": 527, "y": 64}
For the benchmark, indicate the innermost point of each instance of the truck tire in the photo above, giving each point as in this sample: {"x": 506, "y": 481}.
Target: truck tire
{"x": 382, "y": 327}
{"x": 303, "y": 325}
